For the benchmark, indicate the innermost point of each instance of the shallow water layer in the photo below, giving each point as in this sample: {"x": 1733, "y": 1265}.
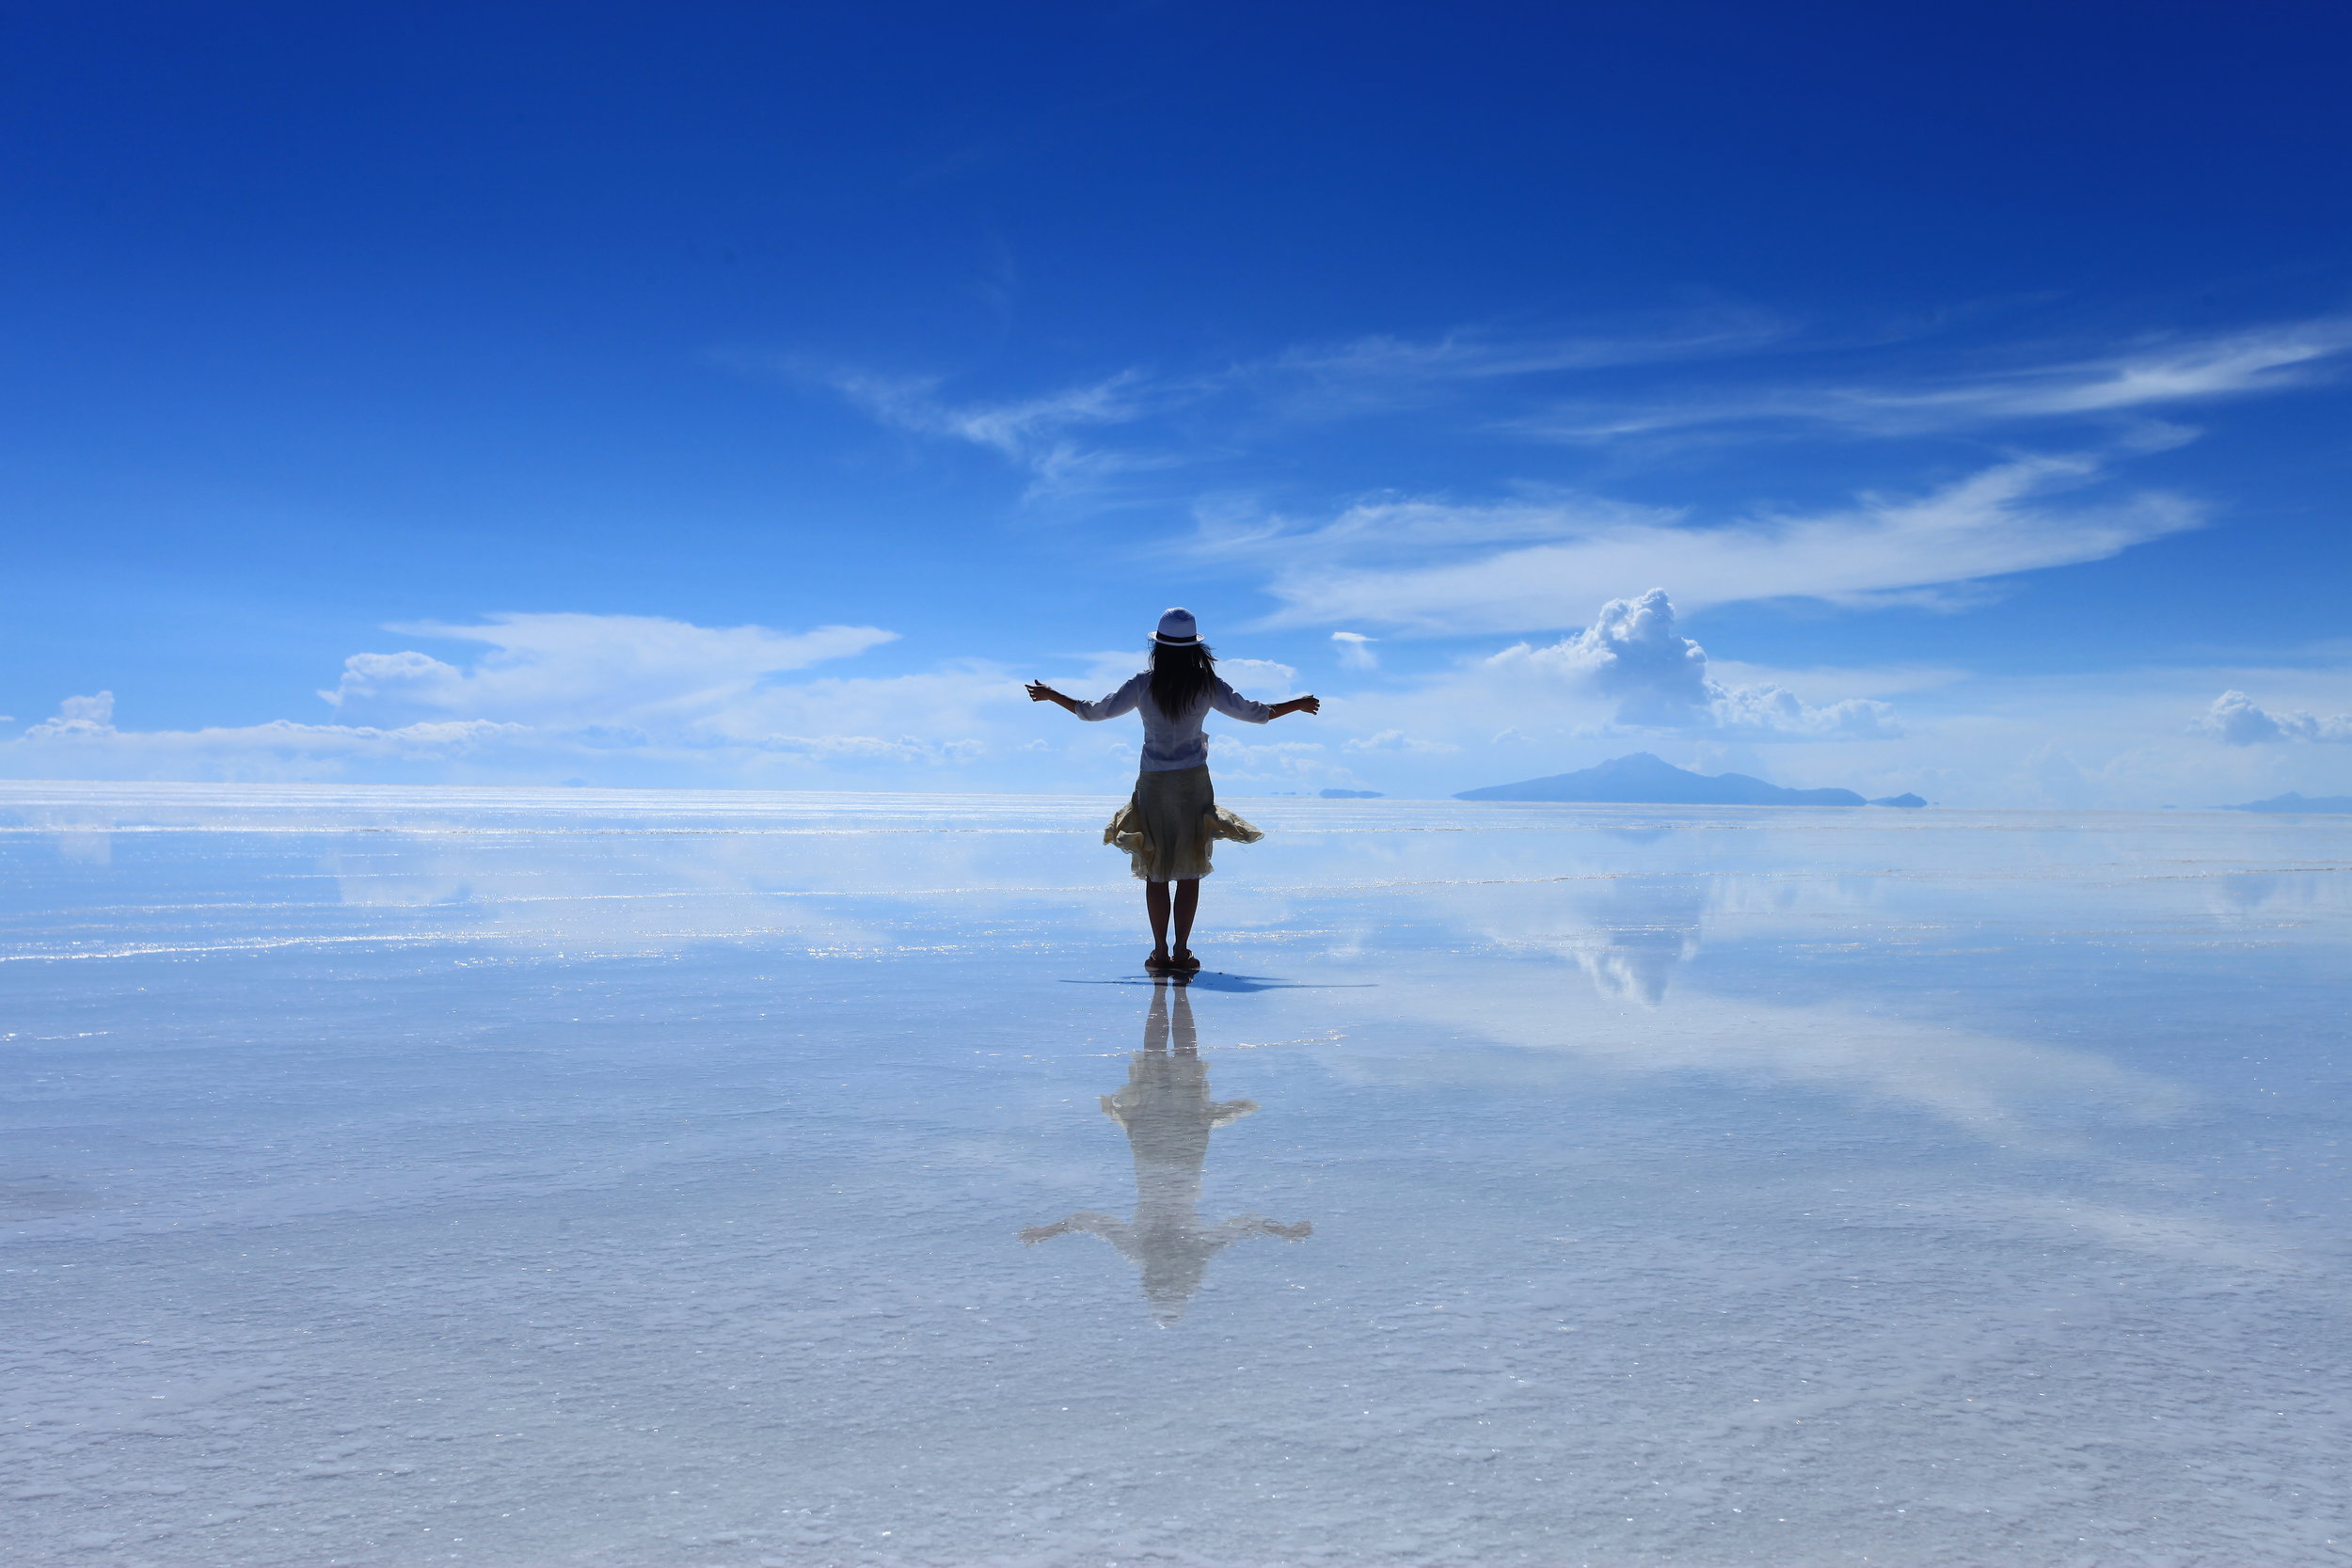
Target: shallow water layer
{"x": 525, "y": 1177}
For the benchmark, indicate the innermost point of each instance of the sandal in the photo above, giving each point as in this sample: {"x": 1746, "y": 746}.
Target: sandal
{"x": 1182, "y": 960}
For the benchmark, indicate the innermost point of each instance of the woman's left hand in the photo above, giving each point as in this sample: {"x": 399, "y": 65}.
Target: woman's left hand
{"x": 1299, "y": 704}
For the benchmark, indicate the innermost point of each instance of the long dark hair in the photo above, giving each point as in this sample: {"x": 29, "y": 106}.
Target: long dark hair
{"x": 1181, "y": 674}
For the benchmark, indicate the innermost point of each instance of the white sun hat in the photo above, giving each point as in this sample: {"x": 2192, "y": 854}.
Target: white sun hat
{"x": 1177, "y": 629}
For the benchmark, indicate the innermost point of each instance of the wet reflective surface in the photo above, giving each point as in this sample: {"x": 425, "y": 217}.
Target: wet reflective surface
{"x": 1166, "y": 1111}
{"x": 402, "y": 1177}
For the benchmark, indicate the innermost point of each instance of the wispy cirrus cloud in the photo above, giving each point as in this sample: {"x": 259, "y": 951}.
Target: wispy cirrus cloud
{"x": 1067, "y": 439}
{"x": 1445, "y": 565}
{"x": 1379, "y": 371}
{"x": 1559, "y": 553}
{"x": 569, "y": 668}
{"x": 2258, "y": 363}
{"x": 1041, "y": 435}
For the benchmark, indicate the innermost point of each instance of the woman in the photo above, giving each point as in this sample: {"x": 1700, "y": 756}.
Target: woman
{"x": 1168, "y": 1115}
{"x": 1167, "y": 826}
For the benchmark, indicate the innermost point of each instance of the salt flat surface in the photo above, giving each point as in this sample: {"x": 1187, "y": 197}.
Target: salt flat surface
{"x": 517, "y": 1178}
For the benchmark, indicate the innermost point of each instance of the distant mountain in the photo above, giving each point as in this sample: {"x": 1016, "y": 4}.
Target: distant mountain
{"x": 1908, "y": 800}
{"x": 1642, "y": 780}
{"x": 1351, "y": 794}
{"x": 2292, "y": 802}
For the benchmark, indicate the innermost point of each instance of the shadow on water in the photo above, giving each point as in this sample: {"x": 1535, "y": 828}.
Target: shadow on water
{"x": 1210, "y": 980}
{"x": 1168, "y": 1115}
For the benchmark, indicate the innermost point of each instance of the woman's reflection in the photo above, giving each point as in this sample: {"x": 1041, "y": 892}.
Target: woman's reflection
{"x": 1168, "y": 1113}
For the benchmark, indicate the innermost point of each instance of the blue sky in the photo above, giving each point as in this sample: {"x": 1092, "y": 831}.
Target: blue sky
{"x": 746, "y": 394}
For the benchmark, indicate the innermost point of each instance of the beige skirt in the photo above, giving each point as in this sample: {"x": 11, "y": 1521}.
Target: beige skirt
{"x": 1170, "y": 824}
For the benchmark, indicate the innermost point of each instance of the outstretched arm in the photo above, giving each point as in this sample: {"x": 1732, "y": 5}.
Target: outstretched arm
{"x": 1122, "y": 701}
{"x": 1040, "y": 693}
{"x": 1257, "y": 1224}
{"x": 1106, "y": 1226}
{"x": 1250, "y": 711}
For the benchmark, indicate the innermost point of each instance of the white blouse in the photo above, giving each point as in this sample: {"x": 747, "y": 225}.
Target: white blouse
{"x": 1172, "y": 743}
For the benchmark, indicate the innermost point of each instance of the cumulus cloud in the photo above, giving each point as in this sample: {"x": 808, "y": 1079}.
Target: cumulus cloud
{"x": 1355, "y": 650}
{"x": 1633, "y": 654}
{"x": 90, "y": 716}
{"x": 2236, "y": 720}
{"x": 1775, "y": 712}
{"x": 1997, "y": 521}
{"x": 658, "y": 700}
{"x": 1631, "y": 651}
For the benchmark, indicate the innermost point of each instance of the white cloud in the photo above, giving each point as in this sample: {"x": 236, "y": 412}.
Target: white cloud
{"x": 1381, "y": 372}
{"x": 628, "y": 698}
{"x": 1271, "y": 766}
{"x": 1633, "y": 654}
{"x": 579, "y": 671}
{"x": 1034, "y": 432}
{"x": 1964, "y": 741}
{"x": 872, "y": 747}
{"x": 1355, "y": 651}
{"x": 2235, "y": 720}
{"x": 1399, "y": 742}
{"x": 2242, "y": 364}
{"x": 87, "y": 747}
{"x": 1992, "y": 523}
{"x": 1776, "y": 713}
{"x": 1077, "y": 440}
{"x": 1971, "y": 741}
{"x": 1997, "y": 1086}
{"x": 77, "y": 716}
{"x": 1372, "y": 373}
{"x": 1257, "y": 676}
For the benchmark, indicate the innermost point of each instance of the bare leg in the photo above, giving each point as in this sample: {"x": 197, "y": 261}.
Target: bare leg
{"x": 1187, "y": 905}
{"x": 1187, "y": 1040}
{"x": 1155, "y": 907}
{"x": 1155, "y": 1023}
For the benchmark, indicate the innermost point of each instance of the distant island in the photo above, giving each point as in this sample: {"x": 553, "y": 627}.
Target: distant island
{"x": 1350, "y": 795}
{"x": 1642, "y": 780}
{"x": 2292, "y": 802}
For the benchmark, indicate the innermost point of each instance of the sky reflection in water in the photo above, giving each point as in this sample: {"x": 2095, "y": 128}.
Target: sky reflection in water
{"x": 644, "y": 1178}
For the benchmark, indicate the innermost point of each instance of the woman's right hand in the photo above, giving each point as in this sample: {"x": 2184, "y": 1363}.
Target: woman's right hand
{"x": 1040, "y": 693}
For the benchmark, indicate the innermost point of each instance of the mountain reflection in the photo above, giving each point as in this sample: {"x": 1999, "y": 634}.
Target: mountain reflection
{"x": 1167, "y": 1115}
